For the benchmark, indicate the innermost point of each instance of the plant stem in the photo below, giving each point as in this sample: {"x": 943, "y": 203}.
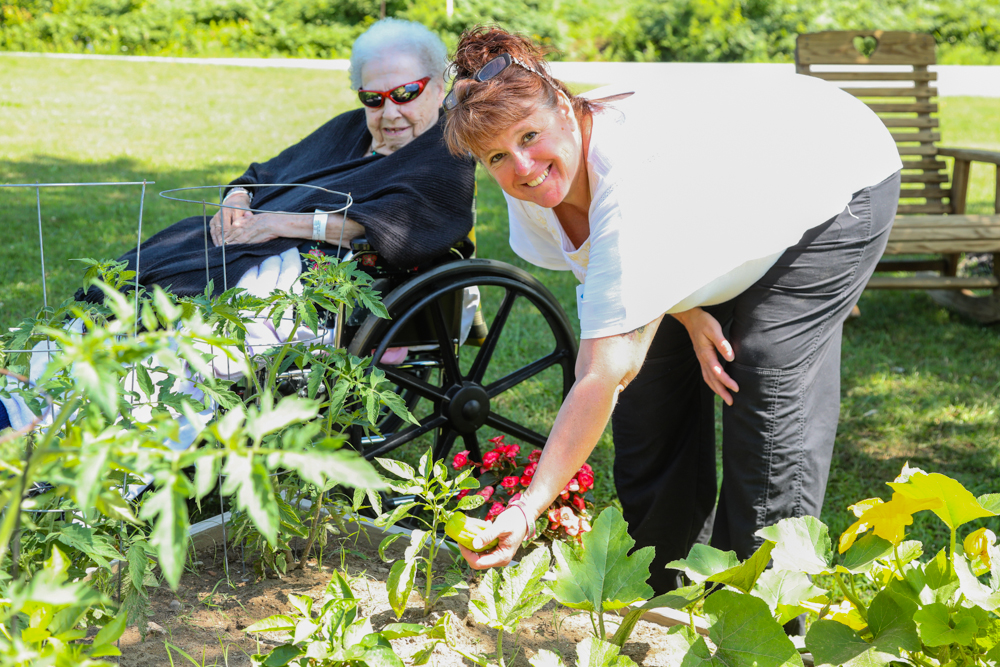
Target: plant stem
{"x": 600, "y": 621}
{"x": 899, "y": 563}
{"x": 500, "y": 659}
{"x": 313, "y": 531}
{"x": 862, "y": 610}
{"x": 951, "y": 553}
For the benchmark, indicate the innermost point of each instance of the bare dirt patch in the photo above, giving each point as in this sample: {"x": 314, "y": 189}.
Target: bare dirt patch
{"x": 207, "y": 615}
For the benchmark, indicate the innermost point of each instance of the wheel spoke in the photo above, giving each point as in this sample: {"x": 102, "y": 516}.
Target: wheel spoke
{"x": 482, "y": 361}
{"x": 515, "y": 430}
{"x": 412, "y": 382}
{"x": 472, "y": 444}
{"x": 447, "y": 346}
{"x": 378, "y": 446}
{"x": 524, "y": 373}
{"x": 444, "y": 442}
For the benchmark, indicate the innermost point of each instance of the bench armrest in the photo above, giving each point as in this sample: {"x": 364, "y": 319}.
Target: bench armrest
{"x": 971, "y": 154}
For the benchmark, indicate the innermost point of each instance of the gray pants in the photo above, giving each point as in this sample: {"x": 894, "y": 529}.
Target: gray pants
{"x": 778, "y": 436}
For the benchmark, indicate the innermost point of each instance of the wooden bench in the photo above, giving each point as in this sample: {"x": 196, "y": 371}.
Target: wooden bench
{"x": 889, "y": 72}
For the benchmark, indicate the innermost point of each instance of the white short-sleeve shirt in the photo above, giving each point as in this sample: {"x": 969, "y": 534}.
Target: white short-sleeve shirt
{"x": 699, "y": 186}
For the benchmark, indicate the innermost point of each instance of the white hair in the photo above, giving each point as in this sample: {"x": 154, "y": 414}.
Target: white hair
{"x": 394, "y": 36}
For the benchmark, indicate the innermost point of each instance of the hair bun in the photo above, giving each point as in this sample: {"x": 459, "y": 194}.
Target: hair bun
{"x": 481, "y": 44}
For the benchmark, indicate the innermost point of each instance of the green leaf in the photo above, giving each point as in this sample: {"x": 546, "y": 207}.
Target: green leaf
{"x": 398, "y": 468}
{"x": 800, "y": 543}
{"x": 935, "y": 630}
{"x": 513, "y": 593}
{"x": 593, "y": 652}
{"x": 247, "y": 478}
{"x": 169, "y": 536}
{"x": 745, "y": 634}
{"x": 386, "y": 542}
{"x": 145, "y": 382}
{"x": 470, "y": 502}
{"x": 206, "y": 474}
{"x": 277, "y": 623}
{"x": 546, "y": 658}
{"x": 138, "y": 562}
{"x": 324, "y": 469}
{"x": 603, "y": 576}
{"x": 290, "y": 410}
{"x": 970, "y": 586}
{"x": 280, "y": 656}
{"x": 744, "y": 575}
{"x": 958, "y": 506}
{"x": 862, "y": 555}
{"x": 833, "y": 643}
{"x": 704, "y": 561}
{"x": 110, "y": 633}
{"x": 387, "y": 520}
{"x": 400, "y": 585}
{"x": 891, "y": 625}
{"x": 400, "y": 630}
{"x": 990, "y": 502}
{"x": 784, "y": 590}
{"x": 96, "y": 547}
{"x": 679, "y": 598}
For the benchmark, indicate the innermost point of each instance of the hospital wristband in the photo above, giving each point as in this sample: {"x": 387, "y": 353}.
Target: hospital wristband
{"x": 319, "y": 225}
{"x": 236, "y": 190}
{"x": 530, "y": 524}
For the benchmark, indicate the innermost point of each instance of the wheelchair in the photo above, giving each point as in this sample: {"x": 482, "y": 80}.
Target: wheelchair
{"x": 462, "y": 382}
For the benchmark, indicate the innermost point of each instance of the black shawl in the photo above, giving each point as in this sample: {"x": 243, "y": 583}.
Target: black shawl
{"x": 414, "y": 205}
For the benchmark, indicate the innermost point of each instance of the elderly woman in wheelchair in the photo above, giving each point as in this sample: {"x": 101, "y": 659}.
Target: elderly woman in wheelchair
{"x": 413, "y": 205}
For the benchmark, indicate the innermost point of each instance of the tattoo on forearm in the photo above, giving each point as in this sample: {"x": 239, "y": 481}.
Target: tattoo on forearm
{"x": 637, "y": 331}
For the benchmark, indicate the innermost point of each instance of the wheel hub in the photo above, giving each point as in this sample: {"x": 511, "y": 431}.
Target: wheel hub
{"x": 468, "y": 408}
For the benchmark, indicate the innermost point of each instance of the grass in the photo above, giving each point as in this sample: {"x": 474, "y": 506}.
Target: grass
{"x": 919, "y": 384}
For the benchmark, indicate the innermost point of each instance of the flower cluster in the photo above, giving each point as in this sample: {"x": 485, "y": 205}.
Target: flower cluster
{"x": 504, "y": 478}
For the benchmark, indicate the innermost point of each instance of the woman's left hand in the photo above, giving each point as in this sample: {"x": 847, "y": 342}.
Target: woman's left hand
{"x": 256, "y": 228}
{"x": 706, "y": 336}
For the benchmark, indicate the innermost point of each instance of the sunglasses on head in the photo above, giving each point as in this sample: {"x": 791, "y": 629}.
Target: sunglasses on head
{"x": 373, "y": 99}
{"x": 487, "y": 72}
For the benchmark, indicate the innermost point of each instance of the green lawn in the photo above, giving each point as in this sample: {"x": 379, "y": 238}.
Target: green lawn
{"x": 919, "y": 384}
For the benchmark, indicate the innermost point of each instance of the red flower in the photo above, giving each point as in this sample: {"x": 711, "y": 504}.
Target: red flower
{"x": 514, "y": 497}
{"x": 534, "y": 455}
{"x": 486, "y": 492}
{"x": 495, "y": 511}
{"x": 555, "y": 517}
{"x": 585, "y": 478}
{"x": 461, "y": 494}
{"x": 530, "y": 469}
{"x": 497, "y": 440}
{"x": 513, "y": 451}
{"x": 525, "y": 480}
{"x": 490, "y": 460}
{"x": 579, "y": 503}
{"x": 509, "y": 483}
{"x": 461, "y": 460}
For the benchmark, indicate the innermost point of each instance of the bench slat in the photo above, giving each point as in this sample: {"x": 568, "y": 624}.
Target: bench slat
{"x": 875, "y": 76}
{"x": 965, "y": 220}
{"x": 933, "y": 282}
{"x": 948, "y": 247}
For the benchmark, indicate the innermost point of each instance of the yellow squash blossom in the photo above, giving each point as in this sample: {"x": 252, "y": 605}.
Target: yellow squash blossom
{"x": 843, "y": 613}
{"x": 977, "y": 545}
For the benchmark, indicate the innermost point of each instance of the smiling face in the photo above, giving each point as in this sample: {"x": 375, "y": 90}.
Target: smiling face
{"x": 394, "y": 125}
{"x": 539, "y": 159}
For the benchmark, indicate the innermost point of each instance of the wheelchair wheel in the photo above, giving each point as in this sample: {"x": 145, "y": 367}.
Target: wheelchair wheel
{"x": 463, "y": 391}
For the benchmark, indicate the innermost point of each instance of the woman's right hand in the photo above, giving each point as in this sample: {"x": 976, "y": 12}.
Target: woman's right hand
{"x": 510, "y": 528}
{"x": 224, "y": 218}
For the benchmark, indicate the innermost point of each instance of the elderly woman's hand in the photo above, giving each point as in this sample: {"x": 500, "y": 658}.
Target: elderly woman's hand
{"x": 227, "y": 215}
{"x": 706, "y": 336}
{"x": 255, "y": 228}
{"x": 510, "y": 529}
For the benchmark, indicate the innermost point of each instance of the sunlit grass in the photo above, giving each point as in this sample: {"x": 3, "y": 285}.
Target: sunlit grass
{"x": 918, "y": 383}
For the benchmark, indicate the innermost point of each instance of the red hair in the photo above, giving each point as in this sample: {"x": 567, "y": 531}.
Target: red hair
{"x": 489, "y": 107}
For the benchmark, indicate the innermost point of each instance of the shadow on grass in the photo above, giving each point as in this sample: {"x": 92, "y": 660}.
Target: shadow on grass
{"x": 97, "y": 222}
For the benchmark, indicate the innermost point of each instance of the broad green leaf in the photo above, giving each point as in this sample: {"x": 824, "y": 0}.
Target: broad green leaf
{"x": 400, "y": 585}
{"x": 745, "y": 575}
{"x": 387, "y": 520}
{"x": 470, "y": 502}
{"x": 935, "y": 630}
{"x": 592, "y": 652}
{"x": 892, "y": 625}
{"x": 864, "y": 552}
{"x": 546, "y": 658}
{"x": 704, "y": 561}
{"x": 397, "y": 468}
{"x": 279, "y": 656}
{"x": 801, "y": 543}
{"x": 990, "y": 502}
{"x": 603, "y": 577}
{"x": 784, "y": 590}
{"x": 744, "y": 633}
{"x": 289, "y": 410}
{"x": 833, "y": 643}
{"x": 338, "y": 467}
{"x": 970, "y": 586}
{"x": 304, "y": 630}
{"x": 169, "y": 536}
{"x": 399, "y": 630}
{"x": 935, "y": 581}
{"x": 513, "y": 593}
{"x": 138, "y": 563}
{"x": 206, "y": 475}
{"x": 385, "y": 543}
{"x": 112, "y": 631}
{"x": 958, "y": 505}
{"x": 423, "y": 655}
{"x": 678, "y": 598}
{"x": 96, "y": 547}
{"x": 248, "y": 479}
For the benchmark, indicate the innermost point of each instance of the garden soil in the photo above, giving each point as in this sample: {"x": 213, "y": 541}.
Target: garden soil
{"x": 207, "y": 616}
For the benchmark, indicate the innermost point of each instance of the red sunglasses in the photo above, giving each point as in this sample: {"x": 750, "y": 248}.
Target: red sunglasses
{"x": 373, "y": 99}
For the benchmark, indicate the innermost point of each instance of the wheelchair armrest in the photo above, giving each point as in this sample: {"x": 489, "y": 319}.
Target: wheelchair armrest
{"x": 361, "y": 244}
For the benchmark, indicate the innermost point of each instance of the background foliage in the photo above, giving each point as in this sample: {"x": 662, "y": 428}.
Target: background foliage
{"x": 967, "y": 31}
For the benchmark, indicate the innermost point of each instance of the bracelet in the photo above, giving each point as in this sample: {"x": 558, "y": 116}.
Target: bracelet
{"x": 235, "y": 190}
{"x": 319, "y": 225}
{"x": 529, "y": 522}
